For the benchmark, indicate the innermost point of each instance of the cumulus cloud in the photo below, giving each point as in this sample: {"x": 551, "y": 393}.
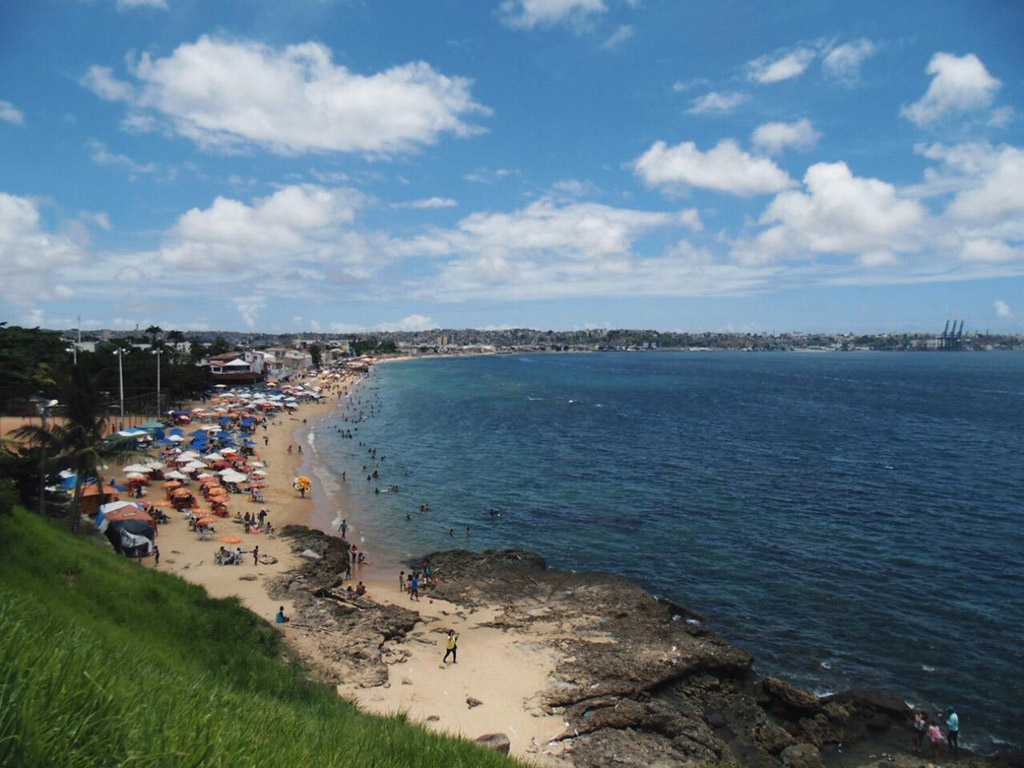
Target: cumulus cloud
{"x": 781, "y": 65}
{"x": 959, "y": 84}
{"x": 725, "y": 168}
{"x": 989, "y": 250}
{"x": 30, "y": 257}
{"x": 843, "y": 62}
{"x": 838, "y": 213}
{"x": 101, "y": 81}
{"x": 717, "y": 103}
{"x": 775, "y": 137}
{"x": 427, "y": 203}
{"x": 997, "y": 191}
{"x": 1002, "y": 308}
{"x": 229, "y": 94}
{"x": 11, "y": 114}
{"x": 528, "y": 14}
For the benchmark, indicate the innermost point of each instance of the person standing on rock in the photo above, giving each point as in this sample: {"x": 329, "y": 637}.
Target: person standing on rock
{"x": 953, "y": 729}
{"x": 920, "y": 729}
{"x": 451, "y": 647}
{"x": 935, "y": 737}
{"x": 414, "y": 588}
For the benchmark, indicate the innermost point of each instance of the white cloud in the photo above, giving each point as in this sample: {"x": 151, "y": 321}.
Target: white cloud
{"x": 989, "y": 250}
{"x": 839, "y": 213}
{"x": 1002, "y": 117}
{"x": 681, "y": 86}
{"x": 843, "y": 62}
{"x": 230, "y": 94}
{"x": 725, "y": 168}
{"x": 300, "y": 222}
{"x": 997, "y": 191}
{"x": 959, "y": 84}
{"x": 618, "y": 37}
{"x": 487, "y": 176}
{"x": 101, "y": 81}
{"x": 775, "y": 137}
{"x": 527, "y": 14}
{"x": 781, "y": 65}
{"x": 102, "y": 156}
{"x": 410, "y": 323}
{"x": 717, "y": 103}
{"x": 249, "y": 307}
{"x": 11, "y": 114}
{"x": 125, "y": 5}
{"x": 1002, "y": 308}
{"x": 30, "y": 258}
{"x": 430, "y": 202}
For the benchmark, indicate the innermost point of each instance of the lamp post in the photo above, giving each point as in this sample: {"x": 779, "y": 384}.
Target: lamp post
{"x": 43, "y": 408}
{"x": 120, "y": 381}
{"x": 159, "y": 410}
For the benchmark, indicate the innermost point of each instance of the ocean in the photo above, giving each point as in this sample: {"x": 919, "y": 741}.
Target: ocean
{"x": 854, "y": 520}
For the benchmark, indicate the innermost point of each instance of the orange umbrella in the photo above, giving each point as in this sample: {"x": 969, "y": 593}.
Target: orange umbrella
{"x": 181, "y": 493}
{"x": 170, "y": 485}
{"x": 207, "y": 520}
{"x": 231, "y": 539}
{"x": 160, "y": 504}
{"x": 215, "y": 489}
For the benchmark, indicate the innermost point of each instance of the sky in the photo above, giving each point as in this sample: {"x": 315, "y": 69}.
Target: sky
{"x": 342, "y": 165}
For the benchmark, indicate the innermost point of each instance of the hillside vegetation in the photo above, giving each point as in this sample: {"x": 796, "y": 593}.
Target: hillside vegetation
{"x": 104, "y": 662}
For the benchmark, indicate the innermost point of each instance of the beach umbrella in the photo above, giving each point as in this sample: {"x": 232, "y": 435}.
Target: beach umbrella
{"x": 231, "y": 539}
{"x": 143, "y": 469}
{"x": 214, "y": 457}
{"x": 207, "y": 520}
{"x": 172, "y": 484}
{"x": 181, "y": 493}
{"x": 176, "y": 475}
{"x": 233, "y": 477}
{"x": 260, "y": 473}
{"x": 205, "y": 476}
{"x": 214, "y": 490}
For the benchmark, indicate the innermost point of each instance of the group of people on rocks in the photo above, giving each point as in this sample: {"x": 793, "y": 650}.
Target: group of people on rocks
{"x": 925, "y": 726}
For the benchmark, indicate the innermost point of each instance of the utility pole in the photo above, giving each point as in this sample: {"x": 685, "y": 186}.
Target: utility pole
{"x": 42, "y": 458}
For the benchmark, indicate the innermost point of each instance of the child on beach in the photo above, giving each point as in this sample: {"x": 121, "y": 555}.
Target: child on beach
{"x": 401, "y": 581}
{"x": 935, "y": 736}
{"x": 414, "y": 588}
{"x": 920, "y": 727}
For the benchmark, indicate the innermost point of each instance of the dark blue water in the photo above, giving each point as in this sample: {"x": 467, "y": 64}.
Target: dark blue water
{"x": 852, "y": 519}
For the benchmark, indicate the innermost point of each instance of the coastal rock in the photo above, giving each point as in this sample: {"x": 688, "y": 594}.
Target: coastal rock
{"x": 837, "y": 713}
{"x": 309, "y": 553}
{"x": 773, "y": 738}
{"x": 791, "y": 696}
{"x": 499, "y": 742}
{"x": 802, "y": 756}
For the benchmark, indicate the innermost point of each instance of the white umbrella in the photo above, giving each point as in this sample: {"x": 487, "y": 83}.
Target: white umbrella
{"x": 201, "y": 475}
{"x": 187, "y": 455}
{"x": 135, "y": 476}
{"x": 176, "y": 475}
{"x": 214, "y": 457}
{"x": 138, "y": 469}
{"x": 193, "y": 466}
{"x": 260, "y": 472}
{"x": 176, "y": 439}
{"x": 258, "y": 464}
{"x": 233, "y": 477}
{"x": 154, "y": 465}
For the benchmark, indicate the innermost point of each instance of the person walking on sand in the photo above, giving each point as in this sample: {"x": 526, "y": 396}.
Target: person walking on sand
{"x": 343, "y": 527}
{"x": 256, "y": 555}
{"x": 414, "y": 588}
{"x": 953, "y": 729}
{"x": 451, "y": 647}
{"x": 401, "y": 582}
{"x": 156, "y": 555}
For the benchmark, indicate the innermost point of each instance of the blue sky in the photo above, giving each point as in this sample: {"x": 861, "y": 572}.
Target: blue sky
{"x": 337, "y": 165}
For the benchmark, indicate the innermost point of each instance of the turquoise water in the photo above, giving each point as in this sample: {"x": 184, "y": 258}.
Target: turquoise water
{"x": 852, "y": 519}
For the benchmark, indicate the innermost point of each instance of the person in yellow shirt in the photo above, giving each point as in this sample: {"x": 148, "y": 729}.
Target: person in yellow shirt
{"x": 452, "y": 647}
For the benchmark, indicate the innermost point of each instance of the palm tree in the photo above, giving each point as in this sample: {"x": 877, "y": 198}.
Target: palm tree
{"x": 80, "y": 441}
{"x": 154, "y": 331}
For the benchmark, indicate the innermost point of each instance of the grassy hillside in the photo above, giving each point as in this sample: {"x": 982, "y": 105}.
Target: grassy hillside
{"x": 104, "y": 662}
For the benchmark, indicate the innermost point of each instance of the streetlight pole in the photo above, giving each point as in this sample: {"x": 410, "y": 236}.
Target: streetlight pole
{"x": 120, "y": 381}
{"x": 159, "y": 410}
{"x": 42, "y": 459}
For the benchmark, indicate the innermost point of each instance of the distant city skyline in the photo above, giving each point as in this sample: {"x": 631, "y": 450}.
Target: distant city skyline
{"x": 335, "y": 167}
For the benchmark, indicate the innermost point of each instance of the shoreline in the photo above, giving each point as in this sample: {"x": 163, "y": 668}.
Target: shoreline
{"x": 512, "y": 665}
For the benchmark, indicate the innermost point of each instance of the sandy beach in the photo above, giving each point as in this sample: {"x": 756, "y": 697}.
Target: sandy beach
{"x": 504, "y": 671}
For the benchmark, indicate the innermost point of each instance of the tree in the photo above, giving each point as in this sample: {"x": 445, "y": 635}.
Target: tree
{"x": 316, "y": 354}
{"x": 154, "y": 331}
{"x": 219, "y": 346}
{"x": 80, "y": 441}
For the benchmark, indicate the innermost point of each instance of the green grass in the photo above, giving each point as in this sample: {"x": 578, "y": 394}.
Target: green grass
{"x": 106, "y": 663}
